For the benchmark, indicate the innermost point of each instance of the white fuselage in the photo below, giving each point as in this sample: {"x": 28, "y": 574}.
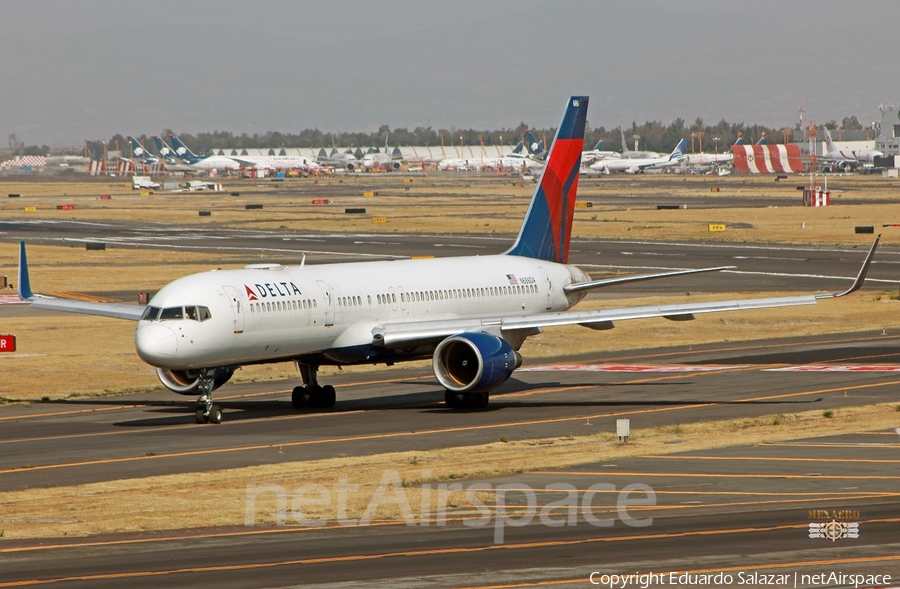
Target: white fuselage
{"x": 862, "y": 156}
{"x": 215, "y": 162}
{"x": 280, "y": 162}
{"x": 259, "y": 315}
{"x": 633, "y": 165}
{"x": 706, "y": 159}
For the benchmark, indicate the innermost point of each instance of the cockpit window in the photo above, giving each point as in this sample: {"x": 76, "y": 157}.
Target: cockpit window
{"x": 192, "y": 312}
{"x": 150, "y": 314}
{"x": 171, "y": 313}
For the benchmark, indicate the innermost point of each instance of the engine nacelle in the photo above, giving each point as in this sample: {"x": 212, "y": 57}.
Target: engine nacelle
{"x": 351, "y": 166}
{"x": 394, "y": 165}
{"x": 186, "y": 382}
{"x": 474, "y": 362}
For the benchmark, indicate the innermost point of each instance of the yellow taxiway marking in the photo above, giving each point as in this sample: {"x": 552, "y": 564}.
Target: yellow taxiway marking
{"x": 744, "y": 567}
{"x": 447, "y": 551}
{"x": 613, "y": 473}
{"x": 176, "y": 403}
{"x": 406, "y": 434}
{"x": 771, "y": 459}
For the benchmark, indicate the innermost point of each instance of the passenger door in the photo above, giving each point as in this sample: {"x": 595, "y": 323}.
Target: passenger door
{"x": 237, "y": 307}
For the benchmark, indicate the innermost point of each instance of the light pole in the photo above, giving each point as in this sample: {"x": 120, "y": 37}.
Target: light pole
{"x": 716, "y": 141}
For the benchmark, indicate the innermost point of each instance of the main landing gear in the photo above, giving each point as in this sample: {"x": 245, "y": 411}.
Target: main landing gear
{"x": 207, "y": 412}
{"x": 466, "y": 400}
{"x": 311, "y": 394}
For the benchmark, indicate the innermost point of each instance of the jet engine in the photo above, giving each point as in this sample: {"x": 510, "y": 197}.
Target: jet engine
{"x": 186, "y": 382}
{"x": 394, "y": 166}
{"x": 474, "y": 362}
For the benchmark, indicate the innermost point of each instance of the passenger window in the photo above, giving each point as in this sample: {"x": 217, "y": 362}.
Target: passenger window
{"x": 171, "y": 313}
{"x": 150, "y": 314}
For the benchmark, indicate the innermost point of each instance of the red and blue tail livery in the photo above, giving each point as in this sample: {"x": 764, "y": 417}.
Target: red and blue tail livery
{"x": 547, "y": 228}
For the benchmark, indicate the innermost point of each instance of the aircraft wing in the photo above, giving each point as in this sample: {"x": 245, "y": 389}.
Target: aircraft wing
{"x": 245, "y": 163}
{"x": 415, "y": 332}
{"x": 403, "y": 334}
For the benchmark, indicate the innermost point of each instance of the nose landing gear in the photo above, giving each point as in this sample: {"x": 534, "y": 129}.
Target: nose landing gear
{"x": 207, "y": 412}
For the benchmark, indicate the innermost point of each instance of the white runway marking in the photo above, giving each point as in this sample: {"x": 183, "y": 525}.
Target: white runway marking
{"x": 836, "y": 368}
{"x": 625, "y": 368}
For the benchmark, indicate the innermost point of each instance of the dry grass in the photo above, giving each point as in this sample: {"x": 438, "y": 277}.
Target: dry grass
{"x": 485, "y": 204}
{"x": 61, "y": 355}
{"x": 170, "y": 502}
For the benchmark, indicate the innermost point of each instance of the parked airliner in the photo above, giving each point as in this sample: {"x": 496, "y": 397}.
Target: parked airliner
{"x": 469, "y": 315}
{"x": 848, "y": 159}
{"x": 636, "y": 165}
{"x": 209, "y": 162}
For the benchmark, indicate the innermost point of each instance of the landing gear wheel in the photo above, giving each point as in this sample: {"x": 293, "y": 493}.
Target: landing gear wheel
{"x": 298, "y": 397}
{"x": 328, "y": 397}
{"x": 451, "y": 399}
{"x": 215, "y": 414}
{"x": 200, "y": 415}
{"x": 481, "y": 400}
{"x": 315, "y": 396}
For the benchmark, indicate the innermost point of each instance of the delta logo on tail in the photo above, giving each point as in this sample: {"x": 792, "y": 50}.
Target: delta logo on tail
{"x": 548, "y": 223}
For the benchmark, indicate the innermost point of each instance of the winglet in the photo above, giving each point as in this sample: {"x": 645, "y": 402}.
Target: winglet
{"x": 860, "y": 278}
{"x": 24, "y": 282}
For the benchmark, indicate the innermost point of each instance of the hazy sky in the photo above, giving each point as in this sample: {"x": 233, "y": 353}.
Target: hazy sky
{"x": 89, "y": 69}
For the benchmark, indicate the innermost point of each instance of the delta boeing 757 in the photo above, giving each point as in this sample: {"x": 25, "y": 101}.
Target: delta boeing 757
{"x": 470, "y": 315}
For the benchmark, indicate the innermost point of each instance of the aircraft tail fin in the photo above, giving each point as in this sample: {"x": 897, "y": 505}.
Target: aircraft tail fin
{"x": 829, "y": 142}
{"x": 599, "y": 146}
{"x": 532, "y": 143}
{"x": 678, "y": 152}
{"x": 163, "y": 150}
{"x": 182, "y": 151}
{"x": 137, "y": 150}
{"x": 24, "y": 281}
{"x": 624, "y": 144}
{"x": 518, "y": 148}
{"x": 547, "y": 228}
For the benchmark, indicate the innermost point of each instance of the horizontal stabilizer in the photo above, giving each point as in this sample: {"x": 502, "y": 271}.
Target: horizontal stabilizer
{"x": 627, "y": 279}
{"x": 118, "y": 311}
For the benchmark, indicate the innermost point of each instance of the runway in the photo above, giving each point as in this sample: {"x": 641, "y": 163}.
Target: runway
{"x": 758, "y": 267}
{"x": 743, "y": 508}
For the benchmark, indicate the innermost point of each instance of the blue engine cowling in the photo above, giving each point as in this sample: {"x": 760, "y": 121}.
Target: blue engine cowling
{"x": 474, "y": 362}
{"x": 186, "y": 382}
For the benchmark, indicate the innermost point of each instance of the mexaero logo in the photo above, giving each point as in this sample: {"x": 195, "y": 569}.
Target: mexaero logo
{"x": 273, "y": 289}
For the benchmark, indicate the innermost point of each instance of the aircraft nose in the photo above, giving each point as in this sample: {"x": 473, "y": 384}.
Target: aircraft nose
{"x": 155, "y": 344}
